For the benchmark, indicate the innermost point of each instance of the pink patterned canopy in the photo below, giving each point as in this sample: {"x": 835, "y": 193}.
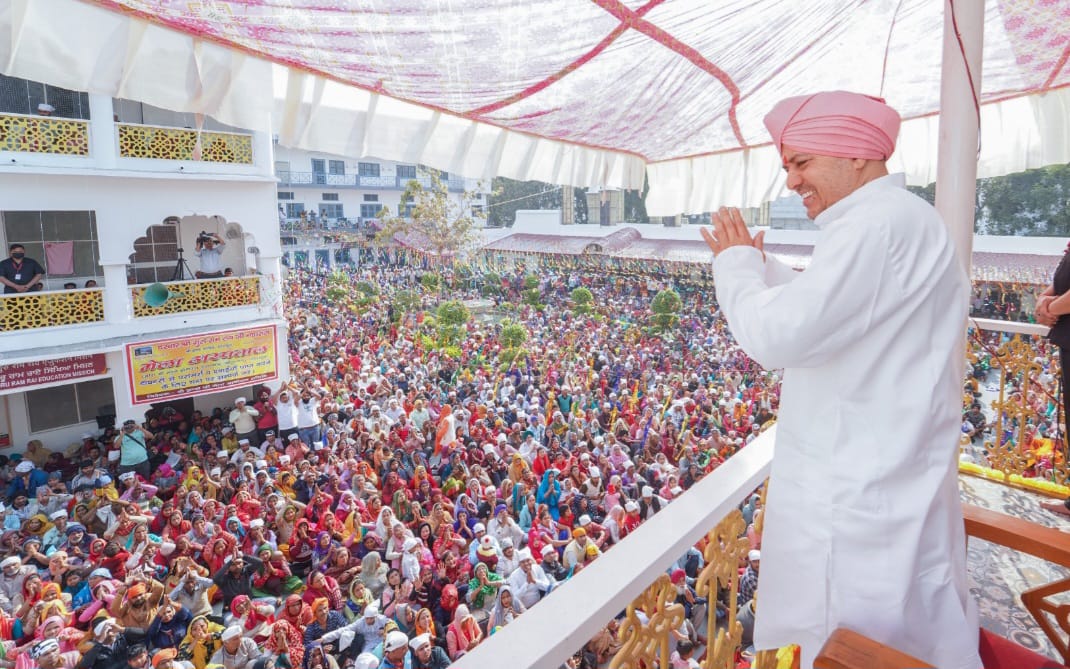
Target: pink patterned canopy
{"x": 655, "y": 79}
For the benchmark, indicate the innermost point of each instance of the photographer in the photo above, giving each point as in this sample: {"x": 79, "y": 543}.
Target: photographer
{"x": 210, "y": 251}
{"x": 134, "y": 454}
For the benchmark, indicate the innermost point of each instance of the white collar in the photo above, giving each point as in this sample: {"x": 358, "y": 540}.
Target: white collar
{"x": 831, "y": 214}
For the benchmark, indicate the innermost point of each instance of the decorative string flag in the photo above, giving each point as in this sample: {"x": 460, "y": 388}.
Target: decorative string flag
{"x": 59, "y": 258}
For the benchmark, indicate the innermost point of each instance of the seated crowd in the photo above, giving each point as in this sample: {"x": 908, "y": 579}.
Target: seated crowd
{"x": 390, "y": 505}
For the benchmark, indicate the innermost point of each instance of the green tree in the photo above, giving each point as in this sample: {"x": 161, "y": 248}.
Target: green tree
{"x": 438, "y": 223}
{"x": 1034, "y": 202}
{"x": 512, "y": 337}
{"x": 451, "y": 317}
{"x": 513, "y": 334}
{"x": 406, "y": 301}
{"x": 430, "y": 281}
{"x": 666, "y": 307}
{"x": 582, "y": 299}
{"x": 492, "y": 284}
{"x": 508, "y": 196}
{"x": 337, "y": 287}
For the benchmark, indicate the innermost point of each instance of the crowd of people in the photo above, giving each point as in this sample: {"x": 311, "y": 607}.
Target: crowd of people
{"x": 392, "y": 503}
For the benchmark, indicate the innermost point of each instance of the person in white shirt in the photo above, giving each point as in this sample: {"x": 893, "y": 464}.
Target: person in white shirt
{"x": 308, "y": 418}
{"x": 210, "y": 252}
{"x": 529, "y": 582}
{"x": 870, "y": 337}
{"x": 286, "y": 406}
{"x": 243, "y": 418}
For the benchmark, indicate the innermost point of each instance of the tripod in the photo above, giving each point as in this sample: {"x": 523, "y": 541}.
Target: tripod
{"x": 181, "y": 269}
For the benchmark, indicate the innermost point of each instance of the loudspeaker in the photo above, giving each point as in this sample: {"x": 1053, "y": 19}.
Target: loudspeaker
{"x": 157, "y": 295}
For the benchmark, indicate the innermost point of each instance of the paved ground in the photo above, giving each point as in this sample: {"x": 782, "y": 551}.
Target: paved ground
{"x": 998, "y": 575}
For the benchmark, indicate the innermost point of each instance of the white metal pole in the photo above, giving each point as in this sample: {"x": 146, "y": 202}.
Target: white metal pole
{"x": 956, "y": 167}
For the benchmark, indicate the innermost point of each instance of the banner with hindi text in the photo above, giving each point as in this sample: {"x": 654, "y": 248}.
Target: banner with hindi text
{"x": 167, "y": 369}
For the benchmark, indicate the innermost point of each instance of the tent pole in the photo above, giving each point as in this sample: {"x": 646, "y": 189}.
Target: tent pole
{"x": 956, "y": 167}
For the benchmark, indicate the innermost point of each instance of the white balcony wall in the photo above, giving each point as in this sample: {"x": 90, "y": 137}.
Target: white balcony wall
{"x": 125, "y": 208}
{"x": 104, "y": 149}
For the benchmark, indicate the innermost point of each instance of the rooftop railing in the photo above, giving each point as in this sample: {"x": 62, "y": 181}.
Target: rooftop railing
{"x": 51, "y": 308}
{"x": 383, "y": 182}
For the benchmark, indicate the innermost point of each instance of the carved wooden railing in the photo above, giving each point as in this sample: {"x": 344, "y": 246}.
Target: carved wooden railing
{"x": 50, "y": 308}
{"x": 44, "y": 134}
{"x": 200, "y": 295}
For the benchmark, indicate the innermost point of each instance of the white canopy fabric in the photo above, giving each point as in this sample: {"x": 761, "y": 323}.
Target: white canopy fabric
{"x": 581, "y": 93}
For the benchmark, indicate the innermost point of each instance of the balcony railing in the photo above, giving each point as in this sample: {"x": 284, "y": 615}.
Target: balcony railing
{"x": 161, "y": 143}
{"x": 51, "y": 308}
{"x": 200, "y": 295}
{"x": 44, "y": 134}
{"x": 622, "y": 579}
{"x": 385, "y": 182}
{"x": 1014, "y": 376}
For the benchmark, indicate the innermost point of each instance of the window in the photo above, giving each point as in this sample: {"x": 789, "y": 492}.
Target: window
{"x": 331, "y": 211}
{"x": 405, "y": 210}
{"x": 406, "y": 171}
{"x": 60, "y": 406}
{"x": 370, "y": 210}
{"x": 286, "y": 195}
{"x": 36, "y": 228}
{"x": 155, "y": 256}
{"x": 20, "y": 96}
{"x": 330, "y": 197}
{"x": 337, "y": 167}
{"x": 368, "y": 169}
{"x": 371, "y": 198}
{"x": 131, "y": 111}
{"x": 295, "y": 209}
{"x": 318, "y": 170}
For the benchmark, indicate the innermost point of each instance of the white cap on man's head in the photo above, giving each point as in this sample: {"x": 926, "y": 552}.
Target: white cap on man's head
{"x": 394, "y": 641}
{"x": 366, "y": 661}
{"x": 231, "y": 632}
{"x": 239, "y": 400}
{"x": 419, "y": 641}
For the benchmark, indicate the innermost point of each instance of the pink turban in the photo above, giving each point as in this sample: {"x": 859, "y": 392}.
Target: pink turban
{"x": 835, "y": 123}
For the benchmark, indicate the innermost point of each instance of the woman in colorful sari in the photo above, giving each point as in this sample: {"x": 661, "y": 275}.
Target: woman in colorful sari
{"x": 286, "y": 645}
{"x": 201, "y": 642}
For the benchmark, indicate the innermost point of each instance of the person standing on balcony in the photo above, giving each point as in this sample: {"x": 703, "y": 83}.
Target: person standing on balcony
{"x": 210, "y": 251}
{"x": 20, "y": 274}
{"x": 863, "y": 526}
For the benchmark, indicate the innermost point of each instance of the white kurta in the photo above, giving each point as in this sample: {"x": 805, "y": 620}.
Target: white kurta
{"x": 864, "y": 527}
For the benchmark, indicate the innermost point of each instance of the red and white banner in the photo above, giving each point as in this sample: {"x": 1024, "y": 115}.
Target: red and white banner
{"x": 43, "y": 372}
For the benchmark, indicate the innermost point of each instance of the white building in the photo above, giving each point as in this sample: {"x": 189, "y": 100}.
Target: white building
{"x": 348, "y": 194}
{"x": 110, "y": 191}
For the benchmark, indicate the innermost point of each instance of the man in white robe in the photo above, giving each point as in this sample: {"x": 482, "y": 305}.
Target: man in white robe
{"x": 863, "y": 528}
